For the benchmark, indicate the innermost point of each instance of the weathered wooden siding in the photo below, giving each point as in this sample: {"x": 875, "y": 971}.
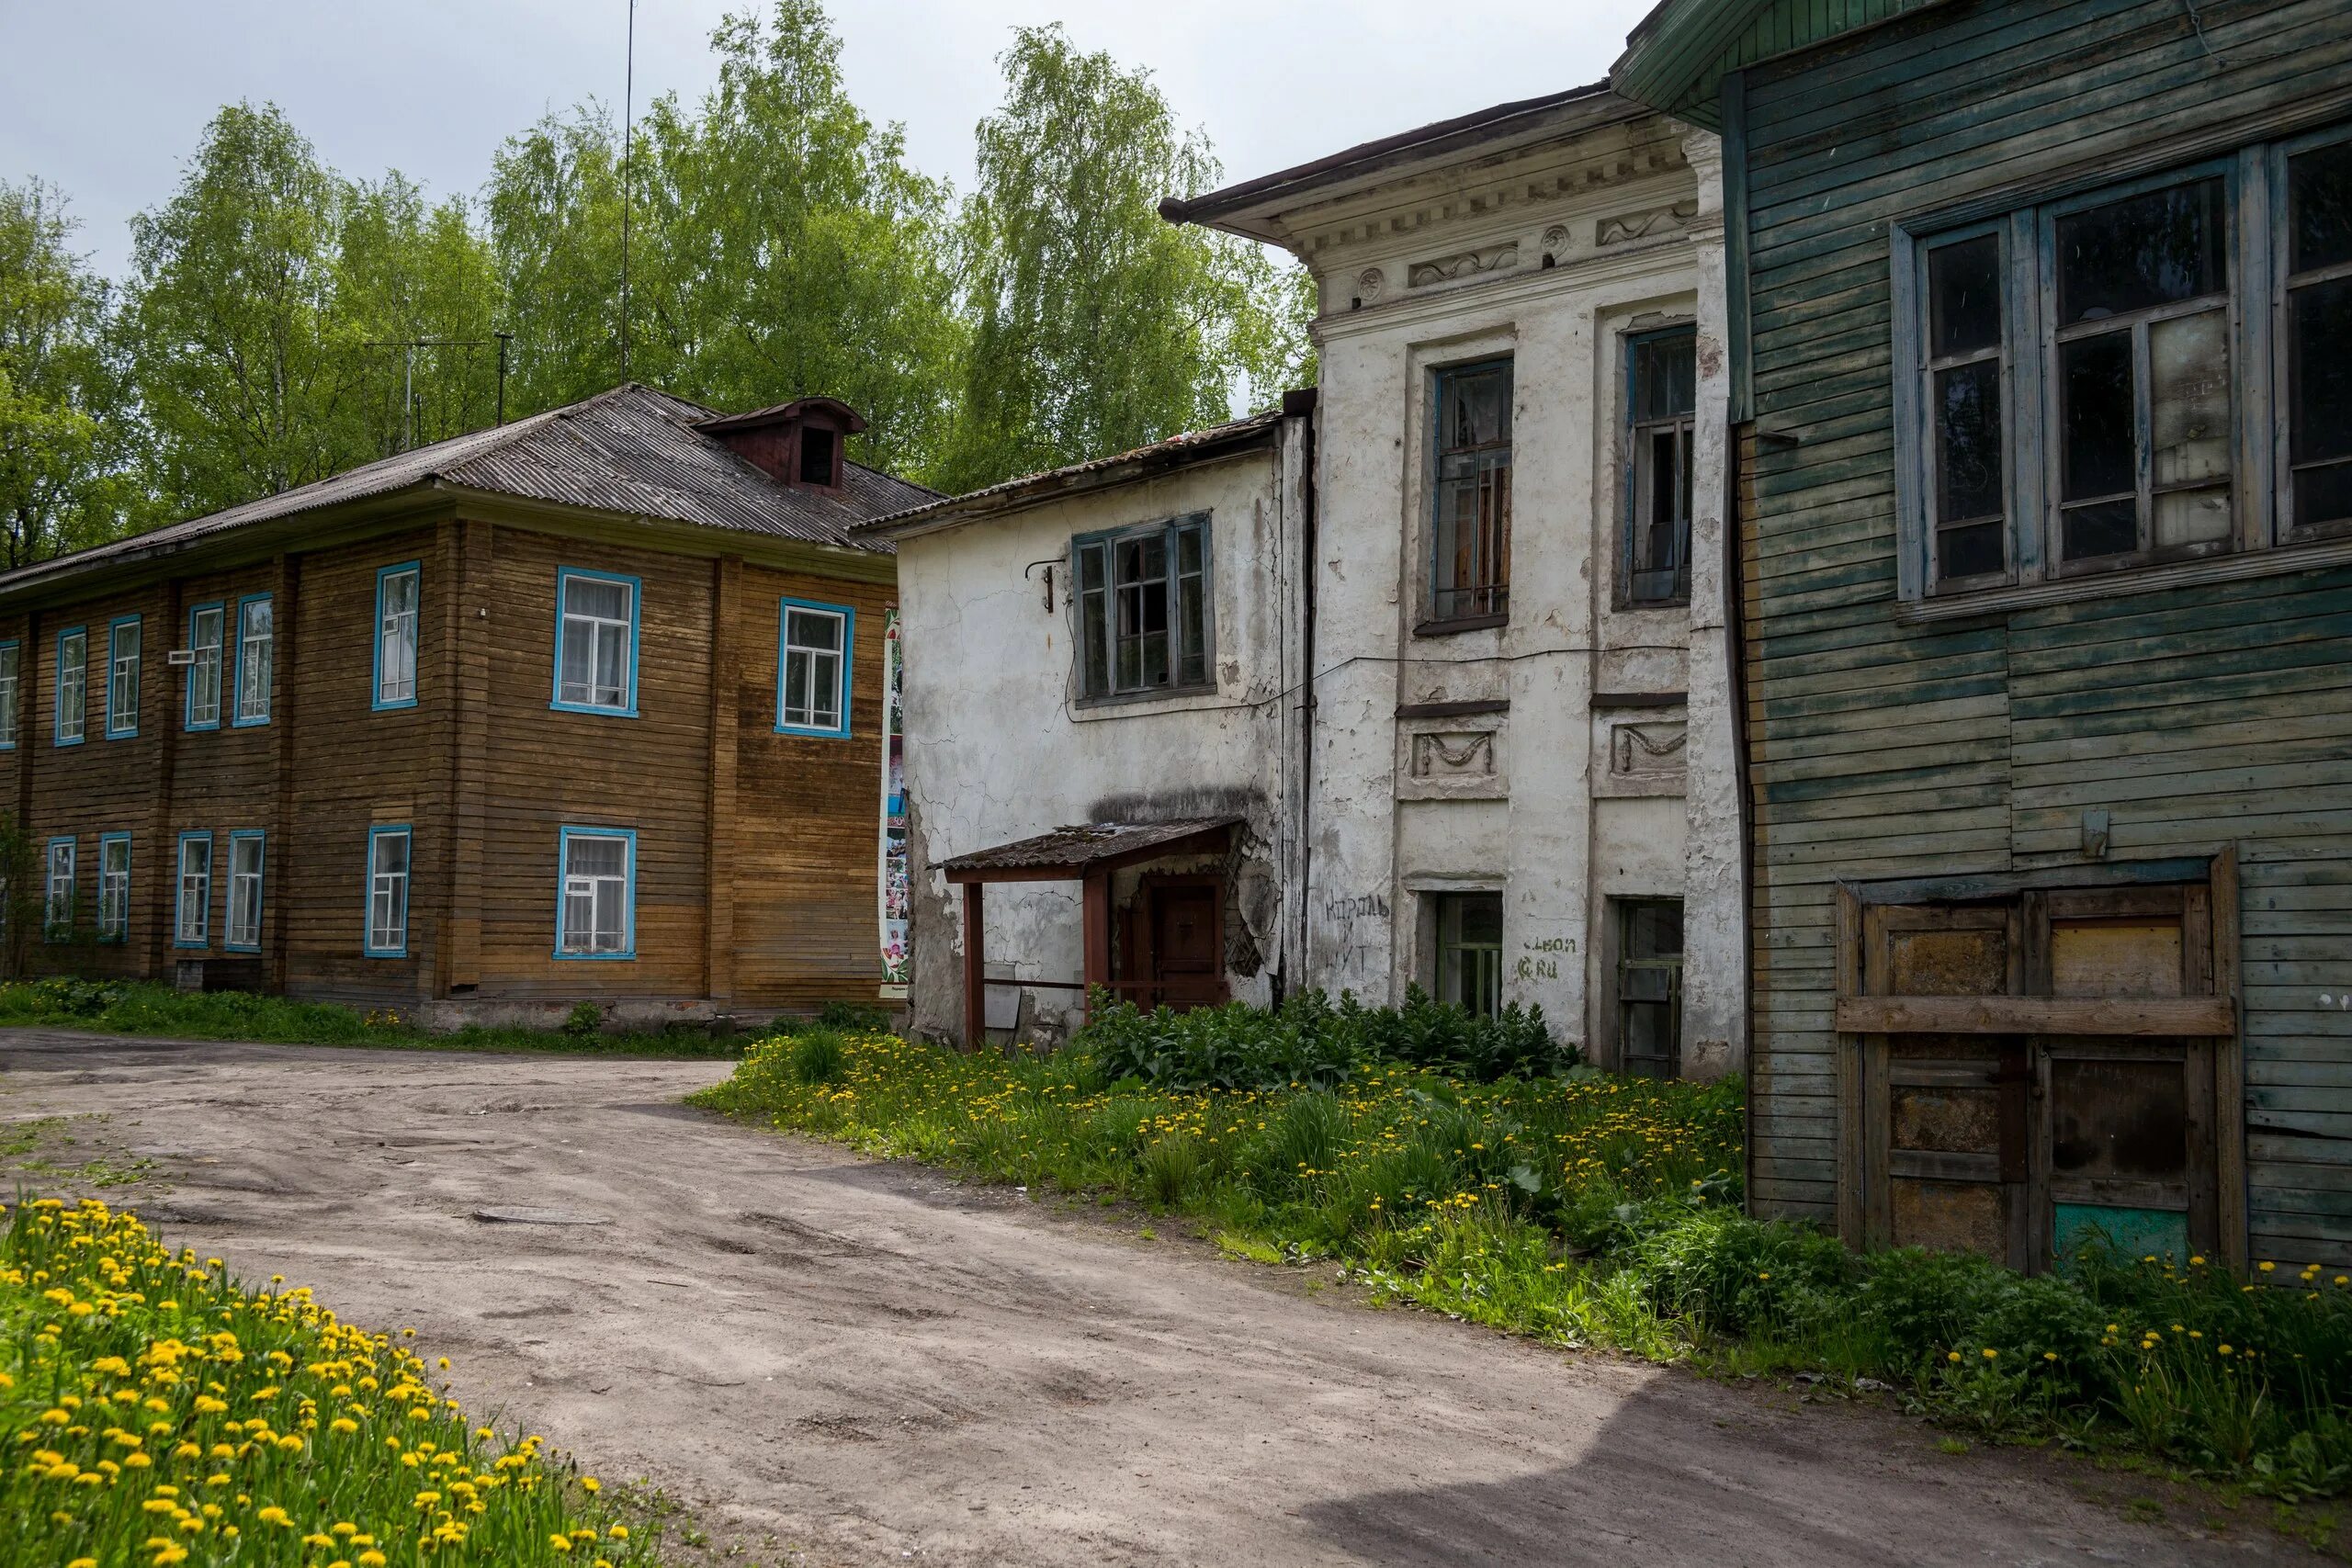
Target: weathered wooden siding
{"x": 546, "y": 769}
{"x": 2198, "y": 716}
{"x": 356, "y": 767}
{"x": 808, "y": 810}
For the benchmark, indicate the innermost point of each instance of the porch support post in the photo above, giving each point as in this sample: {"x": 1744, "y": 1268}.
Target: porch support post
{"x": 1096, "y": 907}
{"x": 976, "y": 991}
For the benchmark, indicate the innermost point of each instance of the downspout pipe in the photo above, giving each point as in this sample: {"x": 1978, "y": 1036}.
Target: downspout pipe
{"x": 1303, "y": 404}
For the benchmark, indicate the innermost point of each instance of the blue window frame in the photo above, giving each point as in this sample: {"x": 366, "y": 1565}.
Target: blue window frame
{"x": 207, "y": 638}
{"x": 12, "y": 669}
{"x": 72, "y": 712}
{"x": 384, "y": 934}
{"x": 192, "y": 900}
{"x": 57, "y": 893}
{"x": 122, "y": 677}
{"x": 256, "y": 644}
{"x": 596, "y": 895}
{"x": 596, "y": 641}
{"x": 400, "y": 604}
{"x": 114, "y": 888}
{"x": 247, "y": 852}
{"x": 813, "y": 648}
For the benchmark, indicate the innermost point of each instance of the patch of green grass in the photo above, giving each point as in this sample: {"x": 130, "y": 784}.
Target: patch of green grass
{"x": 1586, "y": 1208}
{"x": 140, "y": 1007}
{"x": 164, "y": 1414}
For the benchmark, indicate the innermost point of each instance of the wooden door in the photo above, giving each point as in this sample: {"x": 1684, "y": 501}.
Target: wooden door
{"x": 1187, "y": 956}
{"x": 1947, "y": 1157}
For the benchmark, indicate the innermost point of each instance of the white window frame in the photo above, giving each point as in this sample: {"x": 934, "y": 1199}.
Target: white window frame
{"x": 809, "y": 719}
{"x": 596, "y": 628}
{"x": 192, "y": 893}
{"x": 2255, "y": 207}
{"x": 114, "y": 888}
{"x": 241, "y": 933}
{"x": 571, "y": 886}
{"x": 396, "y": 635}
{"x": 256, "y": 658}
{"x": 207, "y": 638}
{"x": 387, "y": 892}
{"x": 122, "y": 677}
{"x": 58, "y": 890}
{"x": 72, "y": 717}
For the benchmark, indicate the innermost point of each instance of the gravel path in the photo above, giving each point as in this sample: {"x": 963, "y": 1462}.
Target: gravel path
{"x": 832, "y": 1361}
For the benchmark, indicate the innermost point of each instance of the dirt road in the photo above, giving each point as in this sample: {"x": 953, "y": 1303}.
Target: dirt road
{"x": 867, "y": 1363}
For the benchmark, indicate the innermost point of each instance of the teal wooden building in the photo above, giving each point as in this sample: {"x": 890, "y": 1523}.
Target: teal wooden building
{"x": 2042, "y": 322}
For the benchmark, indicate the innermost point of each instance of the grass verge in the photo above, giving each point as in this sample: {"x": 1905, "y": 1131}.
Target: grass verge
{"x": 158, "y": 1413}
{"x": 142, "y": 1008}
{"x": 1594, "y": 1210}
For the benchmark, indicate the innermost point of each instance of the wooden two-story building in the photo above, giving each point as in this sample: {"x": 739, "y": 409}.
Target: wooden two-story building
{"x": 585, "y": 707}
{"x": 2041, "y": 337}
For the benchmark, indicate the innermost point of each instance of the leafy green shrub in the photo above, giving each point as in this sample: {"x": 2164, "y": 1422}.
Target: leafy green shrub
{"x": 819, "y": 1056}
{"x": 851, "y": 1017}
{"x": 1731, "y": 1275}
{"x": 1234, "y": 1047}
{"x": 1309, "y": 1041}
{"x": 1514, "y": 1042}
{"x": 583, "y": 1020}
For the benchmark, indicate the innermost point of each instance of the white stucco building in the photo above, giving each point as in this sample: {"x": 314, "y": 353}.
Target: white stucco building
{"x": 1470, "y": 702}
{"x": 1114, "y": 645}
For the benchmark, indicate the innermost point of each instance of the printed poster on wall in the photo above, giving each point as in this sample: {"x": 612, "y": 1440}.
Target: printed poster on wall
{"x": 896, "y": 894}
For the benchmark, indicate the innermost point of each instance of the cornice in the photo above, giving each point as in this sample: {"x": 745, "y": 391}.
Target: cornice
{"x": 1633, "y": 260}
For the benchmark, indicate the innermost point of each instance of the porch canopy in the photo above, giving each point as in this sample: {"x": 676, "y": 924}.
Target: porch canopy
{"x": 1086, "y": 854}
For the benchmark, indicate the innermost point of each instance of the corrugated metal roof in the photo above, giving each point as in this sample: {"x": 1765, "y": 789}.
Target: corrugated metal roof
{"x": 1084, "y": 844}
{"x": 1039, "y": 485}
{"x": 632, "y": 450}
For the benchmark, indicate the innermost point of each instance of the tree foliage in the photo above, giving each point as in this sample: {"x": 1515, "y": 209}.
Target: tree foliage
{"x": 62, "y": 457}
{"x": 1097, "y": 325}
{"x": 282, "y": 323}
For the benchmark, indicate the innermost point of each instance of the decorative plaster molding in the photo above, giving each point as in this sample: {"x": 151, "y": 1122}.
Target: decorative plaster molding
{"x": 1658, "y": 220}
{"x": 1646, "y": 751}
{"x": 1460, "y": 755}
{"x": 1370, "y": 283}
{"x": 1463, "y": 264}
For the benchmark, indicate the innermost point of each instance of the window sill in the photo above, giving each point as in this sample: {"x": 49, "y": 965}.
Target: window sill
{"x": 1460, "y": 624}
{"x": 2273, "y": 562}
{"x": 629, "y": 712}
{"x": 1168, "y": 698}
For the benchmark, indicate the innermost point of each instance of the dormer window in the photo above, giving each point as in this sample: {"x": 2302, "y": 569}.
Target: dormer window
{"x": 821, "y": 452}
{"x": 798, "y": 444}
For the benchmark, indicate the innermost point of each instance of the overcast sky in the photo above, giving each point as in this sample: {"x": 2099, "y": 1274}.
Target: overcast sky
{"x": 106, "y": 97}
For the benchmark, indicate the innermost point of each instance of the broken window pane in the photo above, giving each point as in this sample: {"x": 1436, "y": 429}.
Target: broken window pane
{"x": 2143, "y": 251}
{"x": 1964, "y": 296}
{"x": 1649, "y": 986}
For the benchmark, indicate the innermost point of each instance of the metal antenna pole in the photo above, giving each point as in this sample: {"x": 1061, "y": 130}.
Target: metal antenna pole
{"x": 408, "y": 400}
{"x": 629, "y": 155}
{"x": 505, "y": 339}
